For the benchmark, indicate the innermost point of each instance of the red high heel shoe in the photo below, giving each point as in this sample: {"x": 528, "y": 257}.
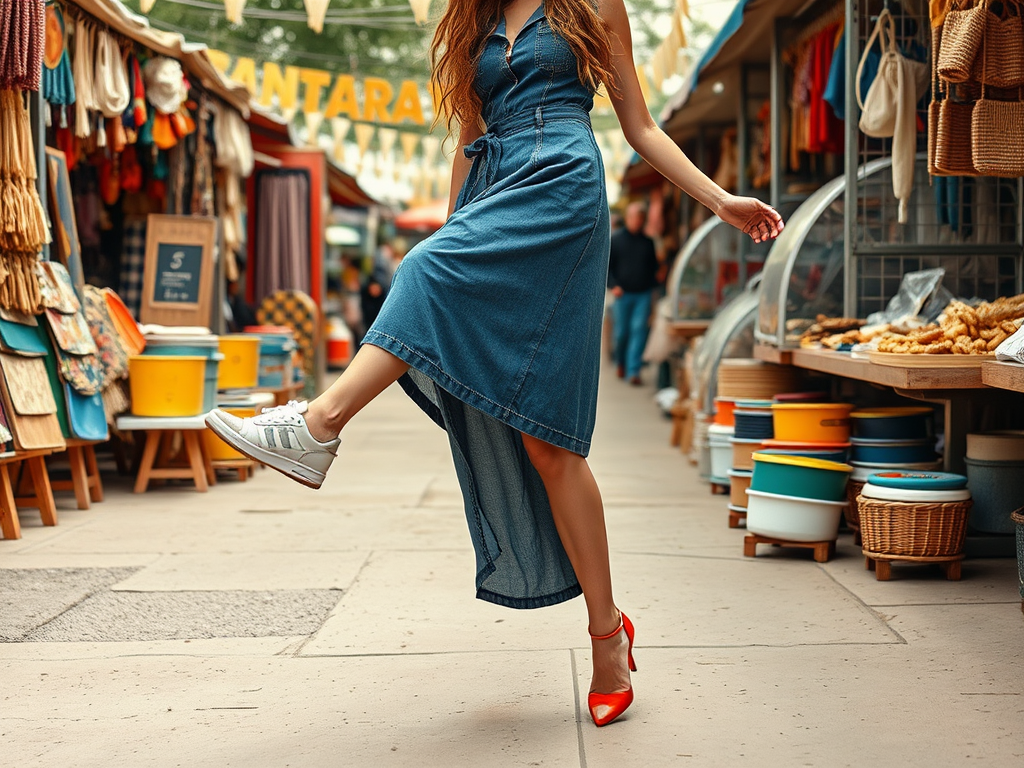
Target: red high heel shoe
{"x": 605, "y": 707}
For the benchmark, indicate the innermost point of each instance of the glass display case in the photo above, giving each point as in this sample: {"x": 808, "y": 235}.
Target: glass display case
{"x": 712, "y": 267}
{"x": 810, "y": 271}
{"x": 729, "y": 335}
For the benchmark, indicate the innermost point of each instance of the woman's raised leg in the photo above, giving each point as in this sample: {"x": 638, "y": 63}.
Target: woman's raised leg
{"x": 579, "y": 517}
{"x": 371, "y": 371}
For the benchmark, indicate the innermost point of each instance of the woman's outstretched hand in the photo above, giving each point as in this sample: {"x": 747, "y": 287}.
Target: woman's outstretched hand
{"x": 752, "y": 217}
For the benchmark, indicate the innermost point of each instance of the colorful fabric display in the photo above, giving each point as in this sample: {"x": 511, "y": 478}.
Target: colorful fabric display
{"x": 22, "y": 41}
{"x": 58, "y": 81}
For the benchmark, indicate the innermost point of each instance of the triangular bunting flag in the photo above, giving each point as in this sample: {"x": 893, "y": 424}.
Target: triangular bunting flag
{"x": 316, "y": 11}
{"x": 409, "y": 143}
{"x": 313, "y": 122}
{"x": 147, "y": 5}
{"x": 232, "y": 10}
{"x": 420, "y": 10}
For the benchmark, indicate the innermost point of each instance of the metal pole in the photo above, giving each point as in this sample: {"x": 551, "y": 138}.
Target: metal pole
{"x": 743, "y": 133}
{"x": 850, "y": 209}
{"x": 777, "y": 95}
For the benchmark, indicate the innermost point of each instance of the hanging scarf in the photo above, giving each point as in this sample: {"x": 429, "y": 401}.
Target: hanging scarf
{"x": 110, "y": 77}
{"x": 82, "y": 69}
{"x": 22, "y": 39}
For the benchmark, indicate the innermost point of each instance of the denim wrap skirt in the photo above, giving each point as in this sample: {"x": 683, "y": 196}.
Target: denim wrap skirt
{"x": 499, "y": 313}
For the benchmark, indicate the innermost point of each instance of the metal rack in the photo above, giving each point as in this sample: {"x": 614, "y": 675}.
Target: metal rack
{"x": 971, "y": 227}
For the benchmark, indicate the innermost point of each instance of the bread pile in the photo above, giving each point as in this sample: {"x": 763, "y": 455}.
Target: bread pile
{"x": 961, "y": 330}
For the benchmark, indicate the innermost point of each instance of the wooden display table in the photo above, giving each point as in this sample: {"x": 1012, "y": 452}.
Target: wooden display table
{"x": 85, "y": 474}
{"x": 952, "y": 388}
{"x": 41, "y": 496}
{"x": 882, "y": 564}
{"x": 1009, "y": 376}
{"x": 683, "y": 330}
{"x": 160, "y": 433}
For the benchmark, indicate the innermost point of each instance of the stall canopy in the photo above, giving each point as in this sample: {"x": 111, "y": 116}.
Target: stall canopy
{"x": 710, "y": 95}
{"x": 191, "y": 55}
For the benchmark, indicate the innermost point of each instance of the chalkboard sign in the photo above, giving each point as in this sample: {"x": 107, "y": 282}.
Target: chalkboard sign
{"x": 177, "y": 281}
{"x": 178, "y": 269}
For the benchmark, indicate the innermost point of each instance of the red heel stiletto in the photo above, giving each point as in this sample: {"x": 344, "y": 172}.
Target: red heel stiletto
{"x": 605, "y": 707}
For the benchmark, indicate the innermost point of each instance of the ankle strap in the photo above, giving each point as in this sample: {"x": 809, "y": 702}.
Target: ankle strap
{"x": 611, "y": 634}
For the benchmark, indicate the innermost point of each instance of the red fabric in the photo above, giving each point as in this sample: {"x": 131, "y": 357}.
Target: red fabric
{"x": 826, "y": 130}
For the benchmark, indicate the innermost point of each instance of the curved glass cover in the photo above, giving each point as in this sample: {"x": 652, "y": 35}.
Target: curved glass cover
{"x": 729, "y": 335}
{"x": 713, "y": 265}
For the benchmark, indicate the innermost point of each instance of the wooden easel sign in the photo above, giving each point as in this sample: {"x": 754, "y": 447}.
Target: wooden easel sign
{"x": 177, "y": 281}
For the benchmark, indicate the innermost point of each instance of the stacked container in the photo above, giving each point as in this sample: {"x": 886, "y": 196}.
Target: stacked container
{"x": 796, "y": 498}
{"x": 995, "y": 475}
{"x": 188, "y": 342}
{"x": 277, "y": 343}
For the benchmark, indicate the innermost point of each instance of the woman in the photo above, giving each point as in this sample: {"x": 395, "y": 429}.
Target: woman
{"x": 493, "y": 324}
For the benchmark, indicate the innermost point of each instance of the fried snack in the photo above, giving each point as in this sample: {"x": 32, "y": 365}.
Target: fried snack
{"x": 995, "y": 341}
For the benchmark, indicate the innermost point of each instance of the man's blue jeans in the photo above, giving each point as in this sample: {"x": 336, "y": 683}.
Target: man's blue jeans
{"x": 632, "y": 313}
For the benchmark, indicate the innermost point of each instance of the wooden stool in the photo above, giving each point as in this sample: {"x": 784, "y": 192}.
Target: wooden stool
{"x": 85, "y": 474}
{"x": 40, "y": 496}
{"x": 882, "y": 564}
{"x": 823, "y": 550}
{"x": 160, "y": 434}
{"x": 243, "y": 466}
{"x": 735, "y": 518}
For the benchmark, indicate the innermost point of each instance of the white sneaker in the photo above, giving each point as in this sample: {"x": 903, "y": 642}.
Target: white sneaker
{"x": 279, "y": 438}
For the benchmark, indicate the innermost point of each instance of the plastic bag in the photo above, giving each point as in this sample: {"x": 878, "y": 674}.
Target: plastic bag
{"x": 1012, "y": 349}
{"x": 920, "y": 296}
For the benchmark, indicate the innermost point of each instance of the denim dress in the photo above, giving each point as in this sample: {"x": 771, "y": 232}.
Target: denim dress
{"x": 499, "y": 312}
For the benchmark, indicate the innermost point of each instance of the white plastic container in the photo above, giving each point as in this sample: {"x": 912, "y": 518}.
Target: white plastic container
{"x": 871, "y": 491}
{"x": 792, "y": 518}
{"x": 721, "y": 452}
{"x": 862, "y": 471}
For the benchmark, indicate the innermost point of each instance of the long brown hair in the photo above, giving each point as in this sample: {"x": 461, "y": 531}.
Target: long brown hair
{"x": 464, "y": 28}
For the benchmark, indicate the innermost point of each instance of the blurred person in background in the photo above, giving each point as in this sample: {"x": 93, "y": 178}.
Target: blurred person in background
{"x": 632, "y": 275}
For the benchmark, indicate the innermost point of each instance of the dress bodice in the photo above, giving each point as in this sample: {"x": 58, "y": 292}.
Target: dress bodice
{"x": 540, "y": 71}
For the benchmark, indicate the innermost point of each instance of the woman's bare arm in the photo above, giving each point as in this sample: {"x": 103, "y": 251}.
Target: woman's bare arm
{"x": 752, "y": 216}
{"x": 460, "y": 163}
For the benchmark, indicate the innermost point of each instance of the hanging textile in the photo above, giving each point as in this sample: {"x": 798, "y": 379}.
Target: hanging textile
{"x": 133, "y": 260}
{"x": 22, "y": 40}
{"x": 58, "y": 82}
{"x": 82, "y": 70}
{"x": 23, "y": 226}
{"x": 282, "y": 231}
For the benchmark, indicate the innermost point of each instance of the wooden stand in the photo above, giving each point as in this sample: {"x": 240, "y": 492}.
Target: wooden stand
{"x": 10, "y": 526}
{"x": 85, "y": 475}
{"x": 823, "y": 550}
{"x": 243, "y": 466}
{"x": 160, "y": 433}
{"x": 882, "y": 564}
{"x": 735, "y": 518}
{"x": 39, "y": 495}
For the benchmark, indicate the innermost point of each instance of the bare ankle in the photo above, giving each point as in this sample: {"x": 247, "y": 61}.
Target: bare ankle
{"x": 322, "y": 425}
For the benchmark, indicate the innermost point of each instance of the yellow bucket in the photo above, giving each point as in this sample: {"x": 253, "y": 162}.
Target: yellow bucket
{"x": 217, "y": 449}
{"x": 241, "y": 364}
{"x": 166, "y": 386}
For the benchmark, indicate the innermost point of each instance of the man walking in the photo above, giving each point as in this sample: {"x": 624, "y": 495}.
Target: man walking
{"x": 632, "y": 275}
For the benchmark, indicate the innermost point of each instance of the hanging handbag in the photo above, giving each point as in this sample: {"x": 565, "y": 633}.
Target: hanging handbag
{"x": 997, "y": 134}
{"x": 1002, "y": 46}
{"x": 949, "y": 125}
{"x": 880, "y": 106}
{"x": 30, "y": 408}
{"x": 962, "y": 32}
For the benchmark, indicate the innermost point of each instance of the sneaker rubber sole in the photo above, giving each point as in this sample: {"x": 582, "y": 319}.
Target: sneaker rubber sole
{"x": 297, "y": 471}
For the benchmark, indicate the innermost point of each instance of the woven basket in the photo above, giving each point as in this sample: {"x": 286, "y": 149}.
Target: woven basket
{"x": 851, "y": 512}
{"x": 1000, "y": 62}
{"x": 962, "y": 31}
{"x": 913, "y": 529}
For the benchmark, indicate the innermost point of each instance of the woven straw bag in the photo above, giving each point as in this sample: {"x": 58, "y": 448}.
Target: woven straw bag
{"x": 962, "y": 32}
{"x": 949, "y": 125}
{"x": 1002, "y": 47}
{"x": 997, "y": 134}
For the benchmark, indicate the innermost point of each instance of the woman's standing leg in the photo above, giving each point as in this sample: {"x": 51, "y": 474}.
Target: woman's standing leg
{"x": 579, "y": 517}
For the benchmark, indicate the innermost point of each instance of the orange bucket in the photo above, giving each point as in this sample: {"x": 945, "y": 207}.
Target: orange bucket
{"x": 724, "y": 408}
{"x": 812, "y": 422}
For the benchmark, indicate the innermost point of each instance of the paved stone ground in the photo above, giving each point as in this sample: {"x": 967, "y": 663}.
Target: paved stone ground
{"x": 263, "y": 624}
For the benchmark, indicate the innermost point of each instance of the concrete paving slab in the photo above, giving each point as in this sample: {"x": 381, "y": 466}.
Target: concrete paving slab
{"x": 678, "y": 601}
{"x": 278, "y": 524}
{"x": 781, "y": 707}
{"x": 120, "y": 616}
{"x": 36, "y": 559}
{"x": 982, "y": 581}
{"x": 683, "y": 527}
{"x": 243, "y": 647}
{"x": 481, "y": 709}
{"x": 29, "y": 598}
{"x": 246, "y": 571}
